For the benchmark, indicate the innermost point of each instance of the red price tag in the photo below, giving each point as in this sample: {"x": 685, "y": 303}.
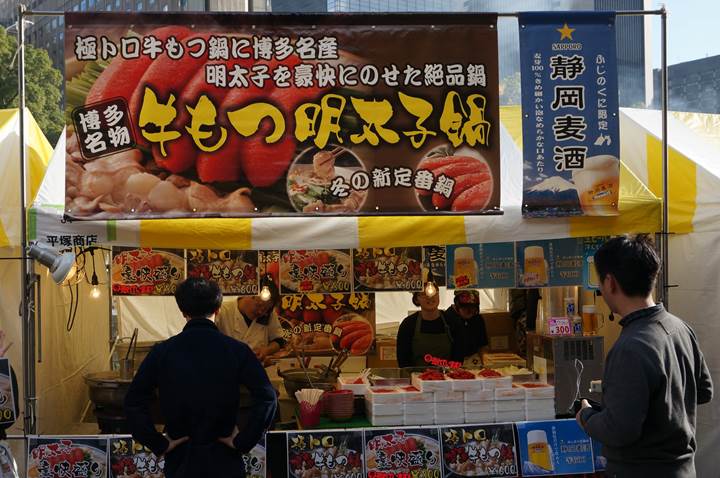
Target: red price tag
{"x": 559, "y": 326}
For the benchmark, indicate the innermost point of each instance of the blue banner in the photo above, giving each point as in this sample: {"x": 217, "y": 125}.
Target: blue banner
{"x": 570, "y": 114}
{"x": 497, "y": 265}
{"x": 567, "y": 266}
{"x": 556, "y": 447}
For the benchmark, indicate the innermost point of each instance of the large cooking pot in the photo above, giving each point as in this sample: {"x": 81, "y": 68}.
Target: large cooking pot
{"x": 298, "y": 378}
{"x": 107, "y": 389}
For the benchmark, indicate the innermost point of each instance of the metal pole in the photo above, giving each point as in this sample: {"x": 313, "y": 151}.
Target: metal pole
{"x": 665, "y": 170}
{"x": 28, "y": 332}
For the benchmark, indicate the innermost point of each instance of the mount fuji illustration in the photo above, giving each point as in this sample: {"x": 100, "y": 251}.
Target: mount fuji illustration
{"x": 554, "y": 191}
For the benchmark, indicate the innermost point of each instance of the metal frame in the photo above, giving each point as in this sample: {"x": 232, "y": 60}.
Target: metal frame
{"x": 28, "y": 309}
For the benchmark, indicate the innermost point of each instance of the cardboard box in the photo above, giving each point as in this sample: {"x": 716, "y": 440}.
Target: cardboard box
{"x": 385, "y": 355}
{"x": 500, "y": 331}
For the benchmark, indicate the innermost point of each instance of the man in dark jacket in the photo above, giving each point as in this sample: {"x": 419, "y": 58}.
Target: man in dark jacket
{"x": 655, "y": 374}
{"x": 198, "y": 374}
{"x": 466, "y": 310}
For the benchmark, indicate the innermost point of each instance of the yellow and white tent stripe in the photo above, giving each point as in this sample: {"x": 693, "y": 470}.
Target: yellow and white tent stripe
{"x": 39, "y": 152}
{"x": 640, "y": 211}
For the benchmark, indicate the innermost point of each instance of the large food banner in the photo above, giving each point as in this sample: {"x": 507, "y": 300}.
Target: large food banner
{"x": 389, "y": 268}
{"x": 571, "y": 145}
{"x": 146, "y": 271}
{"x": 228, "y": 114}
{"x": 315, "y": 271}
{"x": 130, "y": 459}
{"x": 75, "y": 457}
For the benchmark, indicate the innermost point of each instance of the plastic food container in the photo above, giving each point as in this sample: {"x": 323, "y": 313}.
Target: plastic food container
{"x": 386, "y": 420}
{"x": 419, "y": 408}
{"x": 466, "y": 385}
{"x": 540, "y": 404}
{"x": 448, "y": 408}
{"x": 374, "y": 408}
{"x": 497, "y": 382}
{"x": 449, "y": 419}
{"x": 510, "y": 406}
{"x": 385, "y": 395}
{"x": 414, "y": 419}
{"x": 538, "y": 390}
{"x": 513, "y": 416}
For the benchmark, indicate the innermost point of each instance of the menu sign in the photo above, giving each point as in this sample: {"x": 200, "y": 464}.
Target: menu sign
{"x": 497, "y": 265}
{"x": 242, "y": 115}
{"x": 408, "y": 452}
{"x": 234, "y": 271}
{"x": 434, "y": 259}
{"x": 385, "y": 269}
{"x": 130, "y": 459}
{"x": 7, "y": 395}
{"x": 567, "y": 258}
{"x": 463, "y": 266}
{"x": 479, "y": 450}
{"x": 320, "y": 323}
{"x": 331, "y": 454}
{"x": 67, "y": 457}
{"x": 554, "y": 447}
{"x": 147, "y": 271}
{"x": 321, "y": 271}
{"x": 255, "y": 461}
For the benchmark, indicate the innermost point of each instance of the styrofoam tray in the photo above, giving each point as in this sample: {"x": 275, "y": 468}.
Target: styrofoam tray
{"x": 417, "y": 396}
{"x": 479, "y": 395}
{"x": 479, "y": 407}
{"x": 386, "y": 420}
{"x": 449, "y": 396}
{"x": 466, "y": 385}
{"x": 513, "y": 393}
{"x": 431, "y": 385}
{"x": 547, "y": 391}
{"x": 374, "y": 408}
{"x": 449, "y": 408}
{"x": 498, "y": 382}
{"x": 454, "y": 419}
{"x": 479, "y": 417}
{"x": 420, "y": 408}
{"x": 513, "y": 416}
{"x": 540, "y": 404}
{"x": 396, "y": 396}
{"x": 510, "y": 405}
{"x": 413, "y": 419}
{"x": 346, "y": 383}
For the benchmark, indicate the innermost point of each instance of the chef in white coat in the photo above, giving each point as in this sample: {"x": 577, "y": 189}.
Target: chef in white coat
{"x": 253, "y": 321}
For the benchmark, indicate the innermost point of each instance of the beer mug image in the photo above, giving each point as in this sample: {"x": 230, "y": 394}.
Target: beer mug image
{"x": 535, "y": 267}
{"x": 593, "y": 278}
{"x": 598, "y": 185}
{"x": 539, "y": 451}
{"x": 466, "y": 268}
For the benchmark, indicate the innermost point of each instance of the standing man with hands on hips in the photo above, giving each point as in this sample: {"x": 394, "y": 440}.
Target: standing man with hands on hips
{"x": 655, "y": 374}
{"x": 198, "y": 374}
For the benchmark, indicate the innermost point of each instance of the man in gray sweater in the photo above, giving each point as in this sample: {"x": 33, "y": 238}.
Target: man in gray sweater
{"x": 655, "y": 374}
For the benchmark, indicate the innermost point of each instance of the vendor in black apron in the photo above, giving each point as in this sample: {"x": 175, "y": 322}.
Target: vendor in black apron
{"x": 428, "y": 332}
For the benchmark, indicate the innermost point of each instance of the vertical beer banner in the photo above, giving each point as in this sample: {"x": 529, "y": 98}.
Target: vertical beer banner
{"x": 570, "y": 114}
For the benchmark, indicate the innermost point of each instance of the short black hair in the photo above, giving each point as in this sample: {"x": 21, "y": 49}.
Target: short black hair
{"x": 198, "y": 298}
{"x": 633, "y": 262}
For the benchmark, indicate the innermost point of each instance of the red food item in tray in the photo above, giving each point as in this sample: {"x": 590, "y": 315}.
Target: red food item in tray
{"x": 358, "y": 381}
{"x": 410, "y": 389}
{"x": 534, "y": 385}
{"x": 489, "y": 373}
{"x": 461, "y": 375}
{"x": 432, "y": 375}
{"x": 383, "y": 390}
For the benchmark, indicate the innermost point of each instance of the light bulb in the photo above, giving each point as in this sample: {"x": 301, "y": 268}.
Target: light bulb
{"x": 430, "y": 289}
{"x": 265, "y": 294}
{"x": 95, "y": 292}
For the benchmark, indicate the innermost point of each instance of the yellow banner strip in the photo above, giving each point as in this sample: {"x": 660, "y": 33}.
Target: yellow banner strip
{"x": 206, "y": 233}
{"x": 399, "y": 231}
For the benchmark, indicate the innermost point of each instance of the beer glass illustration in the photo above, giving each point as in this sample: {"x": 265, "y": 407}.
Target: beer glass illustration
{"x": 539, "y": 450}
{"x": 535, "y": 267}
{"x": 598, "y": 185}
{"x": 466, "y": 268}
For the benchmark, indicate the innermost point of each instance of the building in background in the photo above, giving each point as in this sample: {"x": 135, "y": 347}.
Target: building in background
{"x": 692, "y": 86}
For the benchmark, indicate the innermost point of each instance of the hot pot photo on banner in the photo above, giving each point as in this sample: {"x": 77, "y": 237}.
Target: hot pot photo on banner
{"x": 181, "y": 115}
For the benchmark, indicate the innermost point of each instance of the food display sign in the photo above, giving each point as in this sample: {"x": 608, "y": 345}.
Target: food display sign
{"x": 497, "y": 265}
{"x": 56, "y": 457}
{"x": 435, "y": 259}
{"x": 388, "y": 269}
{"x": 590, "y": 277}
{"x": 479, "y": 450}
{"x": 570, "y": 114}
{"x": 463, "y": 266}
{"x": 147, "y": 271}
{"x": 556, "y": 447}
{"x": 236, "y": 272}
{"x": 321, "y": 323}
{"x": 567, "y": 267}
{"x": 130, "y": 459}
{"x": 255, "y": 461}
{"x": 7, "y": 395}
{"x": 171, "y": 115}
{"x": 392, "y": 453}
{"x": 331, "y": 454}
{"x": 269, "y": 263}
{"x": 303, "y": 271}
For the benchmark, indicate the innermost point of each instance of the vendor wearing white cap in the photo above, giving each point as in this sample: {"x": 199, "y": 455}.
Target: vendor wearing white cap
{"x": 466, "y": 308}
{"x": 253, "y": 320}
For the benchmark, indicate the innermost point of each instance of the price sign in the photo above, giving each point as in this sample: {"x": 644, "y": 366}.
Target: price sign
{"x": 559, "y": 326}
